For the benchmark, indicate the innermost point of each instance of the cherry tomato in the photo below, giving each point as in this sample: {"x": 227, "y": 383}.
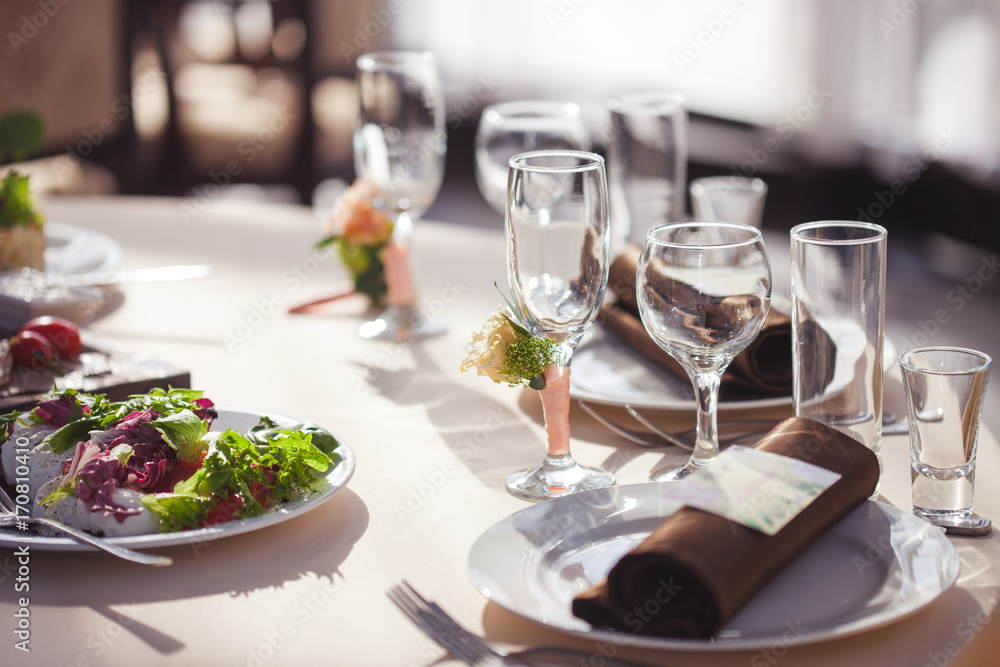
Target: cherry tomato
{"x": 31, "y": 350}
{"x": 62, "y": 334}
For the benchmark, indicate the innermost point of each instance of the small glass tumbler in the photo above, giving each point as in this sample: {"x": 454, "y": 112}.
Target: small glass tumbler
{"x": 945, "y": 388}
{"x": 838, "y": 322}
{"x": 732, "y": 198}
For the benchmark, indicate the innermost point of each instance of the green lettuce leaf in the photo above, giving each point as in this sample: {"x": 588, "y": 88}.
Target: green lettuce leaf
{"x": 184, "y": 431}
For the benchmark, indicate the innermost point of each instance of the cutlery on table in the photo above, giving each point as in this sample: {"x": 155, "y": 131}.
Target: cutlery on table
{"x": 10, "y": 519}
{"x": 473, "y": 649}
{"x": 729, "y": 430}
{"x": 740, "y": 428}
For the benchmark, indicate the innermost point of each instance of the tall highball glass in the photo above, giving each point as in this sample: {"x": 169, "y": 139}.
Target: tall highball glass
{"x": 399, "y": 146}
{"x": 557, "y": 228}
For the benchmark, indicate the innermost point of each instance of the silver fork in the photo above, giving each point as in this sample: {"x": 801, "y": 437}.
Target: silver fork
{"x": 9, "y": 519}
{"x": 744, "y": 427}
{"x": 470, "y": 648}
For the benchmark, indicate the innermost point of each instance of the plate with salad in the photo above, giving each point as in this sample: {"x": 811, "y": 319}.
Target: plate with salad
{"x": 163, "y": 468}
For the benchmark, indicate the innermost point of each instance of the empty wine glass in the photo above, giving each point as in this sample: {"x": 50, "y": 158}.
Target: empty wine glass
{"x": 557, "y": 227}
{"x": 399, "y": 146}
{"x": 508, "y": 128}
{"x": 704, "y": 289}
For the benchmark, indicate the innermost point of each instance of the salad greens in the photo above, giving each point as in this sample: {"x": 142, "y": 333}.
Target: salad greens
{"x": 16, "y": 204}
{"x": 159, "y": 444}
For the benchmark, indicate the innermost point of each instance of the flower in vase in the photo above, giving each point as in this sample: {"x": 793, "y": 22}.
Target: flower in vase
{"x": 504, "y": 351}
{"x": 360, "y": 231}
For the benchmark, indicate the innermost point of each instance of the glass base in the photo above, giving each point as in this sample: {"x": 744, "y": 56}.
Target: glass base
{"x": 401, "y": 324}
{"x": 674, "y": 474}
{"x": 962, "y": 522}
{"x": 557, "y": 476}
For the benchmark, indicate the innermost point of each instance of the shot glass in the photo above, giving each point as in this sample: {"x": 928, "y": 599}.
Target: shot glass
{"x": 945, "y": 388}
{"x": 838, "y": 322}
{"x": 648, "y": 154}
{"x": 729, "y": 198}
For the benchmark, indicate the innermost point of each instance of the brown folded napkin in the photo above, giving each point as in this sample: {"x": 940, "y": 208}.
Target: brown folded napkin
{"x": 697, "y": 570}
{"x": 762, "y": 369}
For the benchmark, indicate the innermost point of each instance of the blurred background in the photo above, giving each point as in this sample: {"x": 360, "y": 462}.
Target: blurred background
{"x": 887, "y": 110}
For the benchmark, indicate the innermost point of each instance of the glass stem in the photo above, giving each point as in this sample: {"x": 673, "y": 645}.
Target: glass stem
{"x": 555, "y": 410}
{"x": 706, "y": 388}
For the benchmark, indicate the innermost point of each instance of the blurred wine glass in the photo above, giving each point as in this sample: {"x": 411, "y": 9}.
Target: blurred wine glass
{"x": 558, "y": 236}
{"x": 704, "y": 289}
{"x": 508, "y": 128}
{"x": 399, "y": 146}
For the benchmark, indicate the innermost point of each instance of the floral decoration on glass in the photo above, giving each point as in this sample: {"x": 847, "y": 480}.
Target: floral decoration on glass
{"x": 361, "y": 232}
{"x": 504, "y": 351}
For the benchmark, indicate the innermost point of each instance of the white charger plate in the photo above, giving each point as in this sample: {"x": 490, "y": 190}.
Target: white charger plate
{"x": 878, "y": 565}
{"x": 241, "y": 420}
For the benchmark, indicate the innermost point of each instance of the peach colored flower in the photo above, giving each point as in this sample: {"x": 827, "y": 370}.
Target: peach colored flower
{"x": 356, "y": 220}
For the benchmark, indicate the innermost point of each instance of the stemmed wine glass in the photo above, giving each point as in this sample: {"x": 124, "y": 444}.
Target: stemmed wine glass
{"x": 704, "y": 289}
{"x": 557, "y": 228}
{"x": 399, "y": 146}
{"x": 508, "y": 128}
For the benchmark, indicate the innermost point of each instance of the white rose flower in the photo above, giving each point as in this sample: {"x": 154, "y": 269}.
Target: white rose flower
{"x": 488, "y": 347}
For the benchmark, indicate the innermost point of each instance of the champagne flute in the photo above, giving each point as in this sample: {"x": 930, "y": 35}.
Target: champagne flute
{"x": 508, "y": 128}
{"x": 704, "y": 289}
{"x": 399, "y": 146}
{"x": 557, "y": 228}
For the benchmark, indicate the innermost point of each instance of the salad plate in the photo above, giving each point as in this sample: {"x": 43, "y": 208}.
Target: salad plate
{"x": 878, "y": 565}
{"x": 241, "y": 420}
{"x": 71, "y": 249}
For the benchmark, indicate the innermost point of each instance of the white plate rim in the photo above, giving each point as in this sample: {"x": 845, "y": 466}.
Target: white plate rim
{"x": 599, "y": 336}
{"x": 110, "y": 250}
{"x": 337, "y": 479}
{"x": 631, "y": 498}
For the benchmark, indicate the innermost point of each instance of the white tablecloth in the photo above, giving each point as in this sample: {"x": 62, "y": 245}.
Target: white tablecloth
{"x": 433, "y": 448}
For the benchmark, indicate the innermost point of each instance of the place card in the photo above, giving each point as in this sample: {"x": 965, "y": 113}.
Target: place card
{"x": 757, "y": 489}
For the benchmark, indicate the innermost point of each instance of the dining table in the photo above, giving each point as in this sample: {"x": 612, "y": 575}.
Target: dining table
{"x": 432, "y": 448}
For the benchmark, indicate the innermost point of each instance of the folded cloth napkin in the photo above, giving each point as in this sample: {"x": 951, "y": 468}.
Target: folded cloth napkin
{"x": 762, "y": 369}
{"x": 697, "y": 570}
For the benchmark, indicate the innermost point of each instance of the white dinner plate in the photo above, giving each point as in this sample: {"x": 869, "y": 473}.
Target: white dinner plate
{"x": 606, "y": 370}
{"x": 876, "y": 566}
{"x": 70, "y": 249}
{"x": 241, "y": 420}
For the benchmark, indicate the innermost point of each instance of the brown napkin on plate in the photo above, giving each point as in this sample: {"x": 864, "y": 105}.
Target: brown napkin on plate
{"x": 762, "y": 369}
{"x": 697, "y": 570}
